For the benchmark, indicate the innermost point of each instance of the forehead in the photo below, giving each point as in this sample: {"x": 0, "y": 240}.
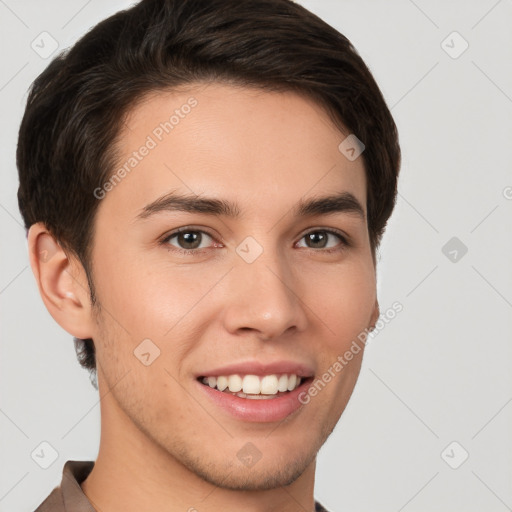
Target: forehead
{"x": 264, "y": 149}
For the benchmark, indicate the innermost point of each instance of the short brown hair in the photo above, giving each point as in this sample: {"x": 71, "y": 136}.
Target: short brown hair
{"x": 74, "y": 112}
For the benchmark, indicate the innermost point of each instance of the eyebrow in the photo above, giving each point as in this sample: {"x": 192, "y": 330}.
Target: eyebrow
{"x": 344, "y": 202}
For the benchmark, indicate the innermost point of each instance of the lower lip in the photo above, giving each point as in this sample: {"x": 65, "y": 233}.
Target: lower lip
{"x": 264, "y": 410}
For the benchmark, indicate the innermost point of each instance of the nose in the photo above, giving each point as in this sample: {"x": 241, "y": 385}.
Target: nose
{"x": 264, "y": 298}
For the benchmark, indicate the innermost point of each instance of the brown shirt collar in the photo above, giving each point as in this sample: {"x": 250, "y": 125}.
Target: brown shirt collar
{"x": 69, "y": 497}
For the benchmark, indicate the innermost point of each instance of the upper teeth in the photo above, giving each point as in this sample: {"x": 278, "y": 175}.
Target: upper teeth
{"x": 254, "y": 385}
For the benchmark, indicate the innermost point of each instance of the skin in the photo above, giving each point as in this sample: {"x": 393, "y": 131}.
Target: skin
{"x": 164, "y": 446}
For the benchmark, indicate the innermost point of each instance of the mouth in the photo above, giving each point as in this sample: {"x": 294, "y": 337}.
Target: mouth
{"x": 254, "y": 387}
{"x": 261, "y": 398}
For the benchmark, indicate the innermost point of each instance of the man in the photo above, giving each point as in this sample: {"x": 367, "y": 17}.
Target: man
{"x": 205, "y": 184}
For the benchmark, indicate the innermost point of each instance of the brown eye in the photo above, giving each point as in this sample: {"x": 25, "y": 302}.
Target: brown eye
{"x": 317, "y": 239}
{"x": 320, "y": 239}
{"x": 187, "y": 239}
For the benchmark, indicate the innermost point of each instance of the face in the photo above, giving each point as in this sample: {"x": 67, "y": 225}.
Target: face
{"x": 241, "y": 286}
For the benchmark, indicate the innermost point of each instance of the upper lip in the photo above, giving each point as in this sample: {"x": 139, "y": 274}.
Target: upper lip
{"x": 260, "y": 368}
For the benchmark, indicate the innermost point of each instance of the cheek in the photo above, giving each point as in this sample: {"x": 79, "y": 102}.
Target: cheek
{"x": 344, "y": 302}
{"x": 148, "y": 300}
{"x": 159, "y": 300}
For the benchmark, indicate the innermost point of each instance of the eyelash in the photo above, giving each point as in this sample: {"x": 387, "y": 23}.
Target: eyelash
{"x": 345, "y": 244}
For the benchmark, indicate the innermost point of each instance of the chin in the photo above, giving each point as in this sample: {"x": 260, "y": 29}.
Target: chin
{"x": 260, "y": 477}
{"x": 277, "y": 467}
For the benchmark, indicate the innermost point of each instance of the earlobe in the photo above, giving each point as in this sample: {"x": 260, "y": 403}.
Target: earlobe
{"x": 61, "y": 281}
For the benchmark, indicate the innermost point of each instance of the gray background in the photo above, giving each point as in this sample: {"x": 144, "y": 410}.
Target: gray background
{"x": 439, "y": 372}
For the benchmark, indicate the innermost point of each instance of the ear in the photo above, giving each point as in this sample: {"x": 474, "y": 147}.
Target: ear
{"x": 62, "y": 283}
{"x": 375, "y": 315}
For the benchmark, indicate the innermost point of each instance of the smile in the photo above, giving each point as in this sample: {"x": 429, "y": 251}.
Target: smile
{"x": 253, "y": 386}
